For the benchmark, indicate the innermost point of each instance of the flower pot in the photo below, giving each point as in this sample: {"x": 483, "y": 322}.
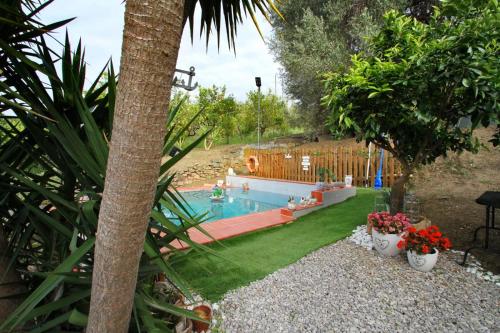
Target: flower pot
{"x": 422, "y": 262}
{"x": 204, "y": 312}
{"x": 291, "y": 205}
{"x": 386, "y": 244}
{"x": 348, "y": 181}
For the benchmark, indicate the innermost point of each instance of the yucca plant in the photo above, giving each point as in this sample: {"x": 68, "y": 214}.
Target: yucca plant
{"x": 52, "y": 169}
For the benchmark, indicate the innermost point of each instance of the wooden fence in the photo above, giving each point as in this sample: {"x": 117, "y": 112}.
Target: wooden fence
{"x": 281, "y": 163}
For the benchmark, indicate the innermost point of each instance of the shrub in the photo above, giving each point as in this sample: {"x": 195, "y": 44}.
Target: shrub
{"x": 386, "y": 223}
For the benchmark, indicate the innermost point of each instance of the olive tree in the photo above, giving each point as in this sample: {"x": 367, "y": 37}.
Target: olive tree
{"x": 419, "y": 80}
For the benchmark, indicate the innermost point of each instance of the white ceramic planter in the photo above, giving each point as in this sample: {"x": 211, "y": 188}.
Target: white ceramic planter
{"x": 422, "y": 262}
{"x": 348, "y": 181}
{"x": 386, "y": 244}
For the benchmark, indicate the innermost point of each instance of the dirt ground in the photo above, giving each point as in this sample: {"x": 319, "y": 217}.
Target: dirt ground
{"x": 447, "y": 190}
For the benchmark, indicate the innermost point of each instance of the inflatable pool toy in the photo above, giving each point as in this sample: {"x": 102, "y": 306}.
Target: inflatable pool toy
{"x": 217, "y": 198}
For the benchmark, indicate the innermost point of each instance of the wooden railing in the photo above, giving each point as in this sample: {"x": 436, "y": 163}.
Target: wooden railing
{"x": 287, "y": 164}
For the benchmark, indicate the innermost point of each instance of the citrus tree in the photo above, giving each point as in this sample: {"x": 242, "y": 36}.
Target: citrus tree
{"x": 409, "y": 92}
{"x": 187, "y": 112}
{"x": 218, "y": 113}
{"x": 273, "y": 113}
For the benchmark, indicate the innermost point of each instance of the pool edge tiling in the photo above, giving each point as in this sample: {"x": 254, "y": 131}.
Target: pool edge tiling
{"x": 234, "y": 226}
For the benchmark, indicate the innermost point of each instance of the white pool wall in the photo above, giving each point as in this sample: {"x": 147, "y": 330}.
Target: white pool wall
{"x": 275, "y": 186}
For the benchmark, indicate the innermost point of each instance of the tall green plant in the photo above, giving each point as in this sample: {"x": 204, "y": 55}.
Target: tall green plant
{"x": 53, "y": 169}
{"x": 409, "y": 95}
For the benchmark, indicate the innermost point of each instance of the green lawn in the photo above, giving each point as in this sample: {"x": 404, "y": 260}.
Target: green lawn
{"x": 259, "y": 253}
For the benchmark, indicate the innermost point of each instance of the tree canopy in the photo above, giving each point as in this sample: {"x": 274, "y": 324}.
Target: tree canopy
{"x": 226, "y": 118}
{"x": 320, "y": 36}
{"x": 272, "y": 116}
{"x": 408, "y": 94}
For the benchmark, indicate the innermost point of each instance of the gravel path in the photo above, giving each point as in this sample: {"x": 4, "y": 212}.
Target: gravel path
{"x": 345, "y": 288}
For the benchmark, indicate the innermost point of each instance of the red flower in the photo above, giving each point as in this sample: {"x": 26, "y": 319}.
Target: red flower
{"x": 445, "y": 243}
{"x": 401, "y": 244}
{"x": 423, "y": 233}
{"x": 433, "y": 240}
{"x": 385, "y": 223}
{"x": 426, "y": 240}
{"x": 433, "y": 228}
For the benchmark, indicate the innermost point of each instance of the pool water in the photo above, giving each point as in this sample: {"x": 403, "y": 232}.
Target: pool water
{"x": 236, "y": 202}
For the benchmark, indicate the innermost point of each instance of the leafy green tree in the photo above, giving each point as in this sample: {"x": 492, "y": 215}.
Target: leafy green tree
{"x": 273, "y": 111}
{"x": 320, "y": 36}
{"x": 217, "y": 113}
{"x": 408, "y": 95}
{"x": 184, "y": 118}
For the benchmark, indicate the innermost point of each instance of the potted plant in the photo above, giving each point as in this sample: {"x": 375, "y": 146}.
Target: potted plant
{"x": 205, "y": 313}
{"x": 387, "y": 231}
{"x": 334, "y": 183}
{"x": 217, "y": 193}
{"x": 322, "y": 172}
{"x": 423, "y": 247}
{"x": 291, "y": 203}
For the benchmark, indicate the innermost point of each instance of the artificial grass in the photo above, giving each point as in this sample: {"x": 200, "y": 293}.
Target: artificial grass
{"x": 255, "y": 255}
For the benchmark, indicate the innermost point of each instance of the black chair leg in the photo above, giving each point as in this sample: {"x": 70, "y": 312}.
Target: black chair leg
{"x": 476, "y": 231}
{"x": 465, "y": 256}
{"x": 487, "y": 233}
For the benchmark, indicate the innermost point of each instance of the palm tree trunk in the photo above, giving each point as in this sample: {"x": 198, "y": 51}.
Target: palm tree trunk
{"x": 151, "y": 40}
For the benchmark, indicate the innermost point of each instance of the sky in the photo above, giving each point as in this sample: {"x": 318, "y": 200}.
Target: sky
{"x": 100, "y": 25}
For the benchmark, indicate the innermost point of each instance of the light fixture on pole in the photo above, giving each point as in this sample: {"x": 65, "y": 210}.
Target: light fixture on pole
{"x": 258, "y": 83}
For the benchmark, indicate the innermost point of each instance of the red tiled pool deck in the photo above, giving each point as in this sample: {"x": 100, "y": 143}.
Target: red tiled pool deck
{"x": 234, "y": 226}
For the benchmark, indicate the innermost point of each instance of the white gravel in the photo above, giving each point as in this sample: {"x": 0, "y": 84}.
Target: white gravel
{"x": 345, "y": 288}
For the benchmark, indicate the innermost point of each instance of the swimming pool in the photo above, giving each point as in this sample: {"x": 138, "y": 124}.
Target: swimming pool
{"x": 235, "y": 203}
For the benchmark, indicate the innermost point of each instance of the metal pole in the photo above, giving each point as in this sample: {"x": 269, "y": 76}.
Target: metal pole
{"x": 275, "y": 83}
{"x": 368, "y": 164}
{"x": 258, "y": 118}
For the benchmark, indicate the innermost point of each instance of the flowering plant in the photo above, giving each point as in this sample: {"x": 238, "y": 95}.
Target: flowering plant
{"x": 424, "y": 241}
{"x": 386, "y": 223}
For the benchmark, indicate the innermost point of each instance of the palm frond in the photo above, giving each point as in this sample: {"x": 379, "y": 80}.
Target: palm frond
{"x": 228, "y": 12}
